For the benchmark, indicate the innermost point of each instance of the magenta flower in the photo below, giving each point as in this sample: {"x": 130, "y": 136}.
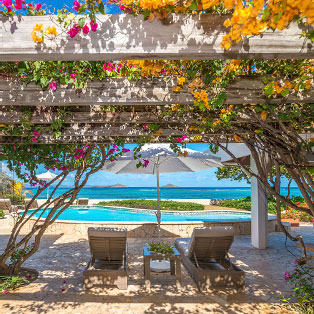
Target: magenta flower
{"x": 5, "y": 291}
{"x": 295, "y": 261}
{"x": 64, "y": 281}
{"x": 287, "y": 275}
{"x": 36, "y": 134}
{"x": 62, "y": 289}
{"x": 125, "y": 150}
{"x": 145, "y": 126}
{"x": 14, "y": 147}
{"x": 34, "y": 140}
{"x": 37, "y": 7}
{"x": 72, "y": 75}
{"x": 85, "y": 29}
{"x": 7, "y": 4}
{"x": 18, "y": 4}
{"x": 93, "y": 26}
{"x": 146, "y": 162}
{"x": 53, "y": 86}
{"x": 74, "y": 31}
{"x": 76, "y": 5}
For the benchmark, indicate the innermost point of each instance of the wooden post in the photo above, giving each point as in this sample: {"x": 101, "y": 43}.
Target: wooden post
{"x": 259, "y": 215}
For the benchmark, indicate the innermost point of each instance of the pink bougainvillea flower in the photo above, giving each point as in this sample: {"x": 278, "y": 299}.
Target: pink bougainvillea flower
{"x": 36, "y": 134}
{"x": 125, "y": 150}
{"x": 286, "y": 275}
{"x": 93, "y": 26}
{"x": 72, "y": 75}
{"x": 145, "y": 126}
{"x": 18, "y": 4}
{"x": 74, "y": 31}
{"x": 63, "y": 289}
{"x": 7, "y": 4}
{"x": 53, "y": 86}
{"x": 76, "y": 5}
{"x": 14, "y": 147}
{"x": 85, "y": 29}
{"x": 146, "y": 162}
{"x": 295, "y": 261}
{"x": 64, "y": 281}
{"x": 37, "y": 7}
{"x": 34, "y": 140}
{"x": 5, "y": 291}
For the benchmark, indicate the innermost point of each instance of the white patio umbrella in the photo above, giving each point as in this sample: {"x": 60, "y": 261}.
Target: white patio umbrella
{"x": 47, "y": 176}
{"x": 162, "y": 159}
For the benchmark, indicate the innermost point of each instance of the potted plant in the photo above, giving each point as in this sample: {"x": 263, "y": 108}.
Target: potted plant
{"x": 2, "y": 213}
{"x": 161, "y": 249}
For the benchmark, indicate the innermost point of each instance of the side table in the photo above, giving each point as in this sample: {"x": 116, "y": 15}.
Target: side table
{"x": 175, "y": 264}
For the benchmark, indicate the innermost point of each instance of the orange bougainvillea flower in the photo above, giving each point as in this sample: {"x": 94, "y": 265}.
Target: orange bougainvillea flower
{"x": 51, "y": 30}
{"x": 237, "y": 138}
{"x": 264, "y": 115}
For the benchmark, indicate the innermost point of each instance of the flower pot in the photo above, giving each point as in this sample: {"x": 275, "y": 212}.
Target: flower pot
{"x": 293, "y": 222}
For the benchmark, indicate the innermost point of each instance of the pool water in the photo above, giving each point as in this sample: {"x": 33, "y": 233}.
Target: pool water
{"x": 102, "y": 213}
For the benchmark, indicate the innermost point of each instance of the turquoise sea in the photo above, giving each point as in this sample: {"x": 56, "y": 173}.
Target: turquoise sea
{"x": 165, "y": 193}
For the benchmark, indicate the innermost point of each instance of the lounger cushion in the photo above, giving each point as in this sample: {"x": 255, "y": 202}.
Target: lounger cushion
{"x": 107, "y": 232}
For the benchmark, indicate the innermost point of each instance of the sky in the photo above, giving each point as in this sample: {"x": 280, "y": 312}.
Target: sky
{"x": 205, "y": 178}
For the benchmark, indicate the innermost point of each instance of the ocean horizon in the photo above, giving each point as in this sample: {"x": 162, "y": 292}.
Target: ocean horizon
{"x": 165, "y": 192}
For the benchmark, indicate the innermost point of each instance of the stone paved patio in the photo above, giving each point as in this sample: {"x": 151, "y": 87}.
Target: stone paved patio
{"x": 62, "y": 258}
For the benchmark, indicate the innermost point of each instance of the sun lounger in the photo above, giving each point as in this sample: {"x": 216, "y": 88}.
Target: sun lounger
{"x": 205, "y": 256}
{"x": 108, "y": 264}
{"x": 33, "y": 205}
{"x": 82, "y": 201}
{"x": 5, "y": 204}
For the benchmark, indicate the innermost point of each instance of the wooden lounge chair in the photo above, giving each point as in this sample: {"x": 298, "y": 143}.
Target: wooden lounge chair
{"x": 108, "y": 264}
{"x": 6, "y": 205}
{"x": 205, "y": 256}
{"x": 82, "y": 201}
{"x": 33, "y": 204}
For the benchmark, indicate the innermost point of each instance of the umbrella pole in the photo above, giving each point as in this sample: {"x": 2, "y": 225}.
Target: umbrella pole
{"x": 158, "y": 214}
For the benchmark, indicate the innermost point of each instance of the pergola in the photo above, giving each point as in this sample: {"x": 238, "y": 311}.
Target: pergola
{"x": 124, "y": 37}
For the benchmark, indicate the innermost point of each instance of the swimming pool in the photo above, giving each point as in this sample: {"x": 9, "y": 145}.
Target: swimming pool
{"x": 142, "y": 223}
{"x": 118, "y": 214}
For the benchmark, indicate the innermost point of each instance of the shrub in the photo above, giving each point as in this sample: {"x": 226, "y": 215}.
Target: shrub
{"x": 302, "y": 280}
{"x": 152, "y": 204}
{"x": 2, "y": 214}
{"x": 291, "y": 213}
{"x": 11, "y": 283}
{"x": 16, "y": 199}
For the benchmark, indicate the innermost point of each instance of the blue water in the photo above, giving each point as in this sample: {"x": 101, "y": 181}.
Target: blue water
{"x": 90, "y": 213}
{"x": 165, "y": 193}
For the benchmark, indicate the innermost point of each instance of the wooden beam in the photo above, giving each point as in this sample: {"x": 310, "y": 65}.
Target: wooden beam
{"x": 124, "y": 130}
{"x": 92, "y": 117}
{"x": 121, "y": 91}
{"x": 130, "y": 37}
{"x": 107, "y": 139}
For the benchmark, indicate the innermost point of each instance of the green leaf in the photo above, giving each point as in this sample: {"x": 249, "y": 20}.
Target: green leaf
{"x": 101, "y": 8}
{"x": 193, "y": 6}
{"x": 264, "y": 79}
{"x": 268, "y": 90}
{"x": 266, "y": 14}
{"x": 44, "y": 81}
{"x": 81, "y": 22}
{"x": 285, "y": 92}
{"x": 279, "y": 15}
{"x": 146, "y": 13}
{"x": 21, "y": 67}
